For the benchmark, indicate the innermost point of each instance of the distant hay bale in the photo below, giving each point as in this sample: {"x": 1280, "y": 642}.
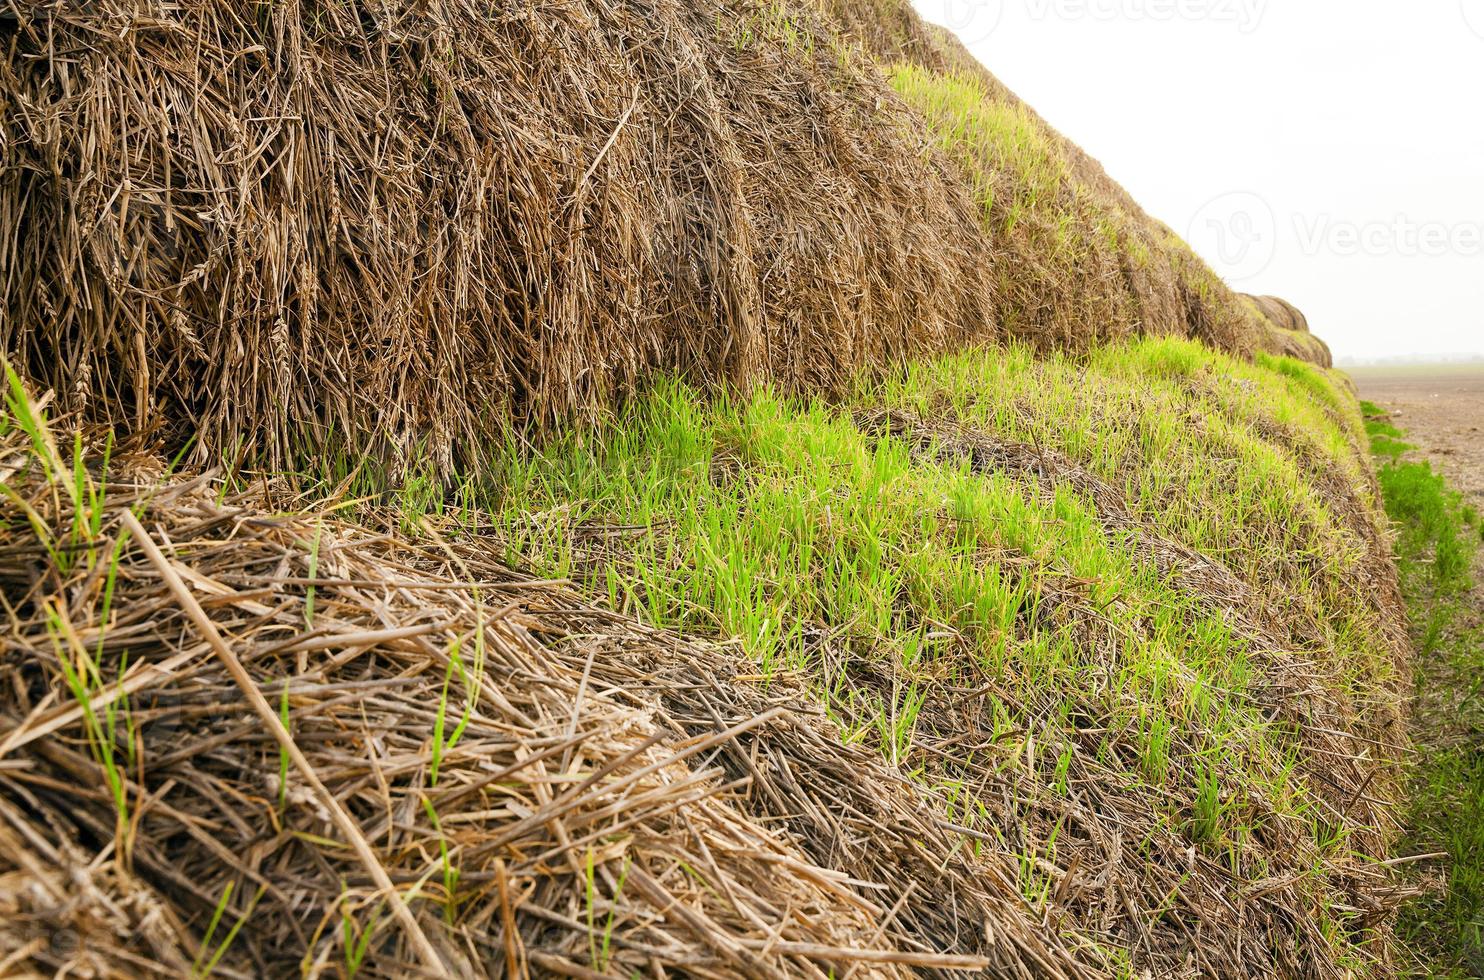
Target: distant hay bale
{"x": 1288, "y": 330}
{"x": 1084, "y": 262}
{"x": 1282, "y": 313}
{"x": 1133, "y": 274}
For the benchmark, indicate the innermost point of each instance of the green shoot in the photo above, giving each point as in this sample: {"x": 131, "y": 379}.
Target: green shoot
{"x": 441, "y": 746}
{"x": 205, "y": 970}
{"x": 598, "y": 953}
{"x": 319, "y": 531}
{"x": 355, "y": 942}
{"x": 283, "y": 756}
{"x": 450, "y": 870}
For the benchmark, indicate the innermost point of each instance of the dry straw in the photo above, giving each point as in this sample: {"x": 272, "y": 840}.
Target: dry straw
{"x": 545, "y": 787}
{"x": 533, "y": 785}
{"x": 286, "y": 230}
{"x": 388, "y": 226}
{"x": 282, "y": 231}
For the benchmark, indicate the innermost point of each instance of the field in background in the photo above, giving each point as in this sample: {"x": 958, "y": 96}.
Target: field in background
{"x": 1441, "y": 407}
{"x": 1408, "y": 372}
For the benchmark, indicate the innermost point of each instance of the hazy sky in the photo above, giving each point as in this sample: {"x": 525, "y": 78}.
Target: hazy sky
{"x": 1328, "y": 151}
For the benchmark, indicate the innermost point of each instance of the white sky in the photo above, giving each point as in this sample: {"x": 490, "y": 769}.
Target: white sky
{"x": 1328, "y": 151}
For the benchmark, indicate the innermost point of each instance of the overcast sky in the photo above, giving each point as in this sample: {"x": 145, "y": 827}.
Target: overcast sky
{"x": 1328, "y": 151}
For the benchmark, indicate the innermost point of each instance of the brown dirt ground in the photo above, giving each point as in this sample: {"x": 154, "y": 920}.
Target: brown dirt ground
{"x": 1441, "y": 411}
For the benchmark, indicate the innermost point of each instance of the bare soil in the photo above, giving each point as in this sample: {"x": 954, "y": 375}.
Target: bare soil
{"x": 1441, "y": 411}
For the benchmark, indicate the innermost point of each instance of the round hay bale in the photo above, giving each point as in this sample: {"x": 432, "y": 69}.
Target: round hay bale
{"x": 338, "y": 228}
{"x": 1282, "y": 313}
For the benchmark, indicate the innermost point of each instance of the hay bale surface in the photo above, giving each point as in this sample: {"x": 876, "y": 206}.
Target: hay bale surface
{"x": 337, "y": 228}
{"x": 386, "y": 228}
{"x": 615, "y": 800}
